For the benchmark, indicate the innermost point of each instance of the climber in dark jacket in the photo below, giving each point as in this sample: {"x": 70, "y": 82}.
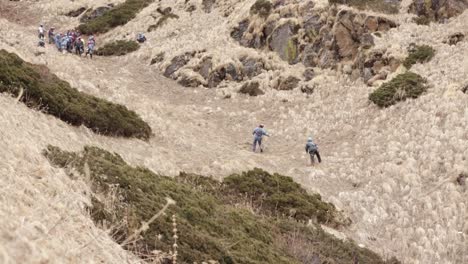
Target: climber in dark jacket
{"x": 312, "y": 149}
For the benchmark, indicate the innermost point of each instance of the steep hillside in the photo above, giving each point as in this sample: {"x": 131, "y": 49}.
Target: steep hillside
{"x": 392, "y": 170}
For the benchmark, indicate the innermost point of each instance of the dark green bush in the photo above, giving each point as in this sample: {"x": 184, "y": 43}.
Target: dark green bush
{"x": 405, "y": 85}
{"x": 262, "y": 8}
{"x": 279, "y": 195}
{"x": 43, "y": 89}
{"x": 118, "y": 48}
{"x": 209, "y": 226}
{"x": 384, "y": 6}
{"x": 117, "y": 16}
{"x": 419, "y": 54}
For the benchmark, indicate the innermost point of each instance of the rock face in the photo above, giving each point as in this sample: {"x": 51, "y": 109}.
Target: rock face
{"x": 322, "y": 38}
{"x": 251, "y": 88}
{"x": 283, "y": 41}
{"x": 177, "y": 62}
{"x": 438, "y": 10}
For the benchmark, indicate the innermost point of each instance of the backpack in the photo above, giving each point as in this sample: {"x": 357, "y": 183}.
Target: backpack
{"x": 312, "y": 148}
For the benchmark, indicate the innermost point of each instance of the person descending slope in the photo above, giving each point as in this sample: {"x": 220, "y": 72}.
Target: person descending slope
{"x": 312, "y": 149}
{"x": 41, "y": 31}
{"x": 51, "y": 35}
{"x": 91, "y": 45}
{"x": 258, "y": 133}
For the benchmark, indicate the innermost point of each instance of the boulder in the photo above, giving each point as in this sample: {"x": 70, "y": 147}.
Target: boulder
{"x": 283, "y": 41}
{"x": 216, "y": 77}
{"x": 308, "y": 74}
{"x": 454, "y": 38}
{"x": 251, "y": 88}
{"x": 465, "y": 89}
{"x": 207, "y": 5}
{"x": 366, "y": 40}
{"x": 307, "y": 89}
{"x": 232, "y": 73}
{"x": 189, "y": 80}
{"x": 238, "y": 32}
{"x": 178, "y": 62}
{"x": 76, "y": 13}
{"x": 92, "y": 14}
{"x": 251, "y": 67}
{"x": 288, "y": 83}
{"x": 204, "y": 68}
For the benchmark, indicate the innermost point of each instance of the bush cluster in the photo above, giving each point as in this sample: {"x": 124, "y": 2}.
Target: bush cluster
{"x": 419, "y": 54}
{"x": 118, "y": 48}
{"x": 43, "y": 89}
{"x": 117, "y": 16}
{"x": 405, "y": 85}
{"x": 211, "y": 226}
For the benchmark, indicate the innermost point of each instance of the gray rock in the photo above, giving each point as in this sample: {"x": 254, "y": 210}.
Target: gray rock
{"x": 178, "y": 62}
{"x": 287, "y": 84}
{"x": 283, "y": 42}
{"x": 76, "y": 13}
{"x": 92, "y": 14}
{"x": 204, "y": 68}
{"x": 216, "y": 77}
{"x": 189, "y": 81}
{"x": 308, "y": 74}
{"x": 251, "y": 88}
{"x": 252, "y": 67}
{"x": 367, "y": 41}
{"x": 454, "y": 38}
{"x": 232, "y": 73}
{"x": 207, "y": 5}
{"x": 307, "y": 89}
{"x": 367, "y": 74}
{"x": 238, "y": 32}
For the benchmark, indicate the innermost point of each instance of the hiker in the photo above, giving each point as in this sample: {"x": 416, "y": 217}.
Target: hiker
{"x": 41, "y": 42}
{"x": 258, "y": 133}
{"x": 51, "y": 35}
{"x": 91, "y": 44}
{"x": 141, "y": 38}
{"x": 312, "y": 149}
{"x": 64, "y": 43}
{"x": 79, "y": 46}
{"x": 58, "y": 38}
{"x": 41, "y": 31}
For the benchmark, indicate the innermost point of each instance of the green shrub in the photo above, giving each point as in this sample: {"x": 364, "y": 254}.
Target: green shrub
{"x": 118, "y": 48}
{"x": 262, "y": 8}
{"x": 209, "y": 226}
{"x": 117, "y": 16}
{"x": 43, "y": 89}
{"x": 419, "y": 54}
{"x": 375, "y": 5}
{"x": 405, "y": 85}
{"x": 279, "y": 195}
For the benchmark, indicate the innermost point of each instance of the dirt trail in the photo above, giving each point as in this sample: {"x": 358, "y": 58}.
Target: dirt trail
{"x": 387, "y": 169}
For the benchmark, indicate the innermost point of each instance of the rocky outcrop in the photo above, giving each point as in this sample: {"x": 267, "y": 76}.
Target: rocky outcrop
{"x": 438, "y": 10}
{"x": 308, "y": 74}
{"x": 76, "y": 12}
{"x": 98, "y": 12}
{"x": 373, "y": 63}
{"x": 178, "y": 62}
{"x": 189, "y": 80}
{"x": 251, "y": 67}
{"x": 454, "y": 38}
{"x": 286, "y": 84}
{"x": 251, "y": 88}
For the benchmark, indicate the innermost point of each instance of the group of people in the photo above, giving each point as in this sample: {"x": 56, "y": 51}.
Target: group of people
{"x": 71, "y": 41}
{"x": 311, "y": 148}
